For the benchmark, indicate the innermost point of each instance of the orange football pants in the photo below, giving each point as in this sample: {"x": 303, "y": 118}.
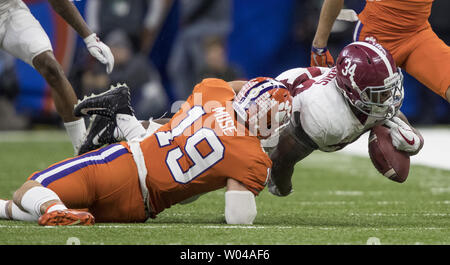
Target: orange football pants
{"x": 422, "y": 54}
{"x": 104, "y": 181}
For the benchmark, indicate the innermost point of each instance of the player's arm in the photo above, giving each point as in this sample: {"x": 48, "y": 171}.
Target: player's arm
{"x": 69, "y": 12}
{"x": 240, "y": 205}
{"x": 404, "y": 136}
{"x": 290, "y": 149}
{"x": 320, "y": 56}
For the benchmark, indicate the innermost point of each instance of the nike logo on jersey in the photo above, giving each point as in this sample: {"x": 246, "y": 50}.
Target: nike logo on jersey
{"x": 410, "y": 142}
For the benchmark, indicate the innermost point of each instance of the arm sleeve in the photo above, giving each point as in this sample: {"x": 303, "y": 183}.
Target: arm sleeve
{"x": 240, "y": 207}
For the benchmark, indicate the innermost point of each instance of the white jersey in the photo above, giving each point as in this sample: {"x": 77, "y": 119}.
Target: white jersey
{"x": 325, "y": 114}
{"x": 6, "y": 5}
{"x": 21, "y": 34}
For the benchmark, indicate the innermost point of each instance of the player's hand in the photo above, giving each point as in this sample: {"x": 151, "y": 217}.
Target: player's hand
{"x": 100, "y": 51}
{"x": 274, "y": 189}
{"x": 321, "y": 57}
{"x": 403, "y": 136}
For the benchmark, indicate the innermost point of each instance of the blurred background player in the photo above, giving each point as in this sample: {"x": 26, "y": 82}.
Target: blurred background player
{"x": 199, "y": 20}
{"x": 333, "y": 107}
{"x": 23, "y": 37}
{"x": 138, "y": 179}
{"x": 402, "y": 27}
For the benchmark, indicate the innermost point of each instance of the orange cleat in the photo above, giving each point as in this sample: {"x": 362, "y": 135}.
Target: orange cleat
{"x": 66, "y": 217}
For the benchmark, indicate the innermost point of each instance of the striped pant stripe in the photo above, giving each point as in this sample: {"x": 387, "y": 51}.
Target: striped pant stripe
{"x": 60, "y": 170}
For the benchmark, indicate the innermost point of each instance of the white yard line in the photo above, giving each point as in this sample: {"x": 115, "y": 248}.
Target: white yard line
{"x": 256, "y": 227}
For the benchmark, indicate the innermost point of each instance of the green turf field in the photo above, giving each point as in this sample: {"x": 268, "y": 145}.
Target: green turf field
{"x": 337, "y": 199}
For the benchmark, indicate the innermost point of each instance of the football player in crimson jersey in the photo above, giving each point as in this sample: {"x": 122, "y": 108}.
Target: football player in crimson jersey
{"x": 212, "y": 142}
{"x": 402, "y": 27}
{"x": 333, "y": 107}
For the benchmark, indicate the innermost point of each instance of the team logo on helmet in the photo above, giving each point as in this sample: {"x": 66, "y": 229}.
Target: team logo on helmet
{"x": 264, "y": 104}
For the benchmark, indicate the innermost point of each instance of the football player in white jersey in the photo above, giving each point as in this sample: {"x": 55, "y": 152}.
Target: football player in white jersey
{"x": 333, "y": 107}
{"x": 22, "y": 36}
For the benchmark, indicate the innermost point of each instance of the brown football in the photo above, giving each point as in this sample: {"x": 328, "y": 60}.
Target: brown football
{"x": 389, "y": 161}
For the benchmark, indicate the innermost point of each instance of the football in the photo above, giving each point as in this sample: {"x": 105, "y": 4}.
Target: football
{"x": 389, "y": 161}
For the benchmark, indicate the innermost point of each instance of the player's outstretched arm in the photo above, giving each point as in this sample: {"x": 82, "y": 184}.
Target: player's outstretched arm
{"x": 240, "y": 205}
{"x": 69, "y": 12}
{"x": 289, "y": 150}
{"x": 320, "y": 56}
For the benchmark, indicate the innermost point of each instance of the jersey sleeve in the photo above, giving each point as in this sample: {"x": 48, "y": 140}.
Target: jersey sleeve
{"x": 298, "y": 79}
{"x": 257, "y": 175}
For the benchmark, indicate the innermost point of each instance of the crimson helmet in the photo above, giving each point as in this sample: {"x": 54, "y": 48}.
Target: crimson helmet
{"x": 264, "y": 104}
{"x": 367, "y": 76}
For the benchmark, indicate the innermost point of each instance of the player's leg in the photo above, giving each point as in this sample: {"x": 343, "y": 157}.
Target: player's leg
{"x": 45, "y": 205}
{"x": 112, "y": 118}
{"x": 429, "y": 62}
{"x": 25, "y": 39}
{"x": 36, "y": 199}
{"x": 118, "y": 194}
{"x": 115, "y": 105}
{"x": 105, "y": 181}
{"x": 62, "y": 92}
{"x": 47, "y": 193}
{"x": 10, "y": 211}
{"x": 396, "y": 44}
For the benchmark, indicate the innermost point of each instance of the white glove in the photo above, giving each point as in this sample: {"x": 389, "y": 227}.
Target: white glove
{"x": 403, "y": 137}
{"x": 100, "y": 51}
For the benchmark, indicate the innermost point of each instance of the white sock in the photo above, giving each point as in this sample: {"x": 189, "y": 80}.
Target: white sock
{"x": 16, "y": 213}
{"x": 55, "y": 207}
{"x": 33, "y": 199}
{"x": 3, "y": 214}
{"x": 76, "y": 131}
{"x": 130, "y": 126}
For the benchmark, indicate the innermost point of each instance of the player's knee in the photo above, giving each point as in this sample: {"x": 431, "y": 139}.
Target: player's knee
{"x": 18, "y": 194}
{"x": 48, "y": 67}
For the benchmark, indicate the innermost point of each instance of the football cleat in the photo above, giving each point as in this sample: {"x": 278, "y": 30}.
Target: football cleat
{"x": 114, "y": 101}
{"x": 66, "y": 217}
{"x": 99, "y": 133}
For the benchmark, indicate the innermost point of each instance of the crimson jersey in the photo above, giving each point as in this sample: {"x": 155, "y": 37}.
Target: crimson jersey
{"x": 200, "y": 147}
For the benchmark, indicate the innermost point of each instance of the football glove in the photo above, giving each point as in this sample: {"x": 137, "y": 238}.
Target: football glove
{"x": 321, "y": 57}
{"x": 403, "y": 137}
{"x": 100, "y": 51}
